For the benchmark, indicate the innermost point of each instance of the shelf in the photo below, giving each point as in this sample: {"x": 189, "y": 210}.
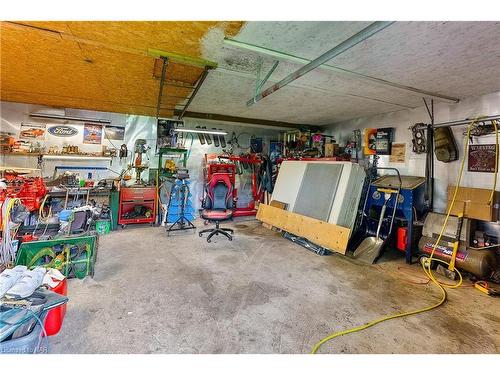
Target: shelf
{"x": 75, "y": 157}
{"x": 171, "y": 149}
{"x": 21, "y": 154}
{"x": 57, "y": 156}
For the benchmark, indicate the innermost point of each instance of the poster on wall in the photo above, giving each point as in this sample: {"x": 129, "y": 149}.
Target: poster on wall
{"x": 92, "y": 134}
{"x": 398, "y": 153}
{"x": 275, "y": 148}
{"x": 32, "y": 131}
{"x": 62, "y": 131}
{"x": 114, "y": 132}
{"x": 256, "y": 145}
{"x": 370, "y": 141}
{"x": 482, "y": 158}
{"x": 383, "y": 141}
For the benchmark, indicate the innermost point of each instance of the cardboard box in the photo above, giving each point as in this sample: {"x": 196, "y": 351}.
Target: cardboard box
{"x": 476, "y": 203}
{"x": 331, "y": 149}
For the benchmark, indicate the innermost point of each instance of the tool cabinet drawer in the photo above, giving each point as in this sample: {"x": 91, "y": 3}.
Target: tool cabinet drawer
{"x": 133, "y": 194}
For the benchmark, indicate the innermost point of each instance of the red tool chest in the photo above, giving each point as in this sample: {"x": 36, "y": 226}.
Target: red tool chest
{"x": 130, "y": 197}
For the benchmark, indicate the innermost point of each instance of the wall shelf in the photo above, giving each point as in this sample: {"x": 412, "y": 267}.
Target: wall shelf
{"x": 57, "y": 156}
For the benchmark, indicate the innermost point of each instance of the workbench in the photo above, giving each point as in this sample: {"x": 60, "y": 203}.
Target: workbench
{"x": 68, "y": 192}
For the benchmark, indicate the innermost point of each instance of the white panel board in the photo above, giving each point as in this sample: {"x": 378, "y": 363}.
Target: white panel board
{"x": 346, "y": 198}
{"x": 288, "y": 182}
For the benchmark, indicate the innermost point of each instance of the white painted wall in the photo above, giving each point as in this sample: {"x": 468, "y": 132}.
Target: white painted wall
{"x": 445, "y": 173}
{"x": 12, "y": 114}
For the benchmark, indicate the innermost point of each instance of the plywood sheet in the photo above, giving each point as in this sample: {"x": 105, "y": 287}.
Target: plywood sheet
{"x": 330, "y": 236}
{"x": 101, "y": 66}
{"x": 276, "y": 204}
{"x": 182, "y": 37}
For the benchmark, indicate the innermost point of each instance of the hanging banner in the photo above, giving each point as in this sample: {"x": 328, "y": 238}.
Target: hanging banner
{"x": 398, "y": 153}
{"x": 114, "y": 132}
{"x": 482, "y": 158}
{"x": 370, "y": 142}
{"x": 32, "y": 131}
{"x": 92, "y": 134}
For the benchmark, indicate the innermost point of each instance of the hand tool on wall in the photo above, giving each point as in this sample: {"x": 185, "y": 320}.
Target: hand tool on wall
{"x": 216, "y": 139}
{"x": 201, "y": 138}
{"x": 208, "y": 139}
{"x": 222, "y": 140}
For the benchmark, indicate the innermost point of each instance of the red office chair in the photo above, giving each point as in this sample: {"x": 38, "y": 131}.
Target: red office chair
{"x": 218, "y": 205}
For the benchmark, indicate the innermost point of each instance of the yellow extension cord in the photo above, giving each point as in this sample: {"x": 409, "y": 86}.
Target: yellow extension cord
{"x": 425, "y": 266}
{"x": 41, "y": 214}
{"x": 494, "y": 122}
{"x": 7, "y": 232}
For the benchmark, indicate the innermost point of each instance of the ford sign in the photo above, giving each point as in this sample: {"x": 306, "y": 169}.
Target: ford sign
{"x": 62, "y": 131}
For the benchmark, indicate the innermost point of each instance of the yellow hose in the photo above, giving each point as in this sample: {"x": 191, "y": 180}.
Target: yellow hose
{"x": 425, "y": 266}
{"x": 494, "y": 122}
{"x": 41, "y": 214}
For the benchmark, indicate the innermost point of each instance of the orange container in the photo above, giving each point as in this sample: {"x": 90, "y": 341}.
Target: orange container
{"x": 55, "y": 316}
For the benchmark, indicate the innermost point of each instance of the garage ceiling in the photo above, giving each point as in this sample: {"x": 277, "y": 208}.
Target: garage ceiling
{"x": 105, "y": 66}
{"x": 458, "y": 59}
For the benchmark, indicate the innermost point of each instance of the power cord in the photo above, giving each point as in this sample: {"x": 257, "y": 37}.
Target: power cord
{"x": 44, "y": 332}
{"x": 426, "y": 266}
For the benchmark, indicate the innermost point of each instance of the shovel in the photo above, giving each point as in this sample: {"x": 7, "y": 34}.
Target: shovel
{"x": 369, "y": 250}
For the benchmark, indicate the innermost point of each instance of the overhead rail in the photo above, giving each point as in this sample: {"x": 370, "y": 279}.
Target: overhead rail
{"x": 196, "y": 89}
{"x": 283, "y": 56}
{"x": 162, "y": 81}
{"x": 357, "y": 38}
{"x": 165, "y": 82}
{"x": 478, "y": 120}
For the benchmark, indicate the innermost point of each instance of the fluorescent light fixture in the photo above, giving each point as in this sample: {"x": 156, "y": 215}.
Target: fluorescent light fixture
{"x": 182, "y": 130}
{"x": 69, "y": 118}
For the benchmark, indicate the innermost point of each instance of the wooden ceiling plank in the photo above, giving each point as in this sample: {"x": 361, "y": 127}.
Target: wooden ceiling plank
{"x": 55, "y": 64}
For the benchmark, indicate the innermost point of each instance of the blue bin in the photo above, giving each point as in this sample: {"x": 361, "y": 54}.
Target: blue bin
{"x": 33, "y": 342}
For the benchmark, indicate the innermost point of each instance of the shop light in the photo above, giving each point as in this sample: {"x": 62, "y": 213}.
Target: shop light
{"x": 69, "y": 118}
{"x": 200, "y": 131}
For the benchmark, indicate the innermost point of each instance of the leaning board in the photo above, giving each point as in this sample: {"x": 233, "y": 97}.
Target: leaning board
{"x": 330, "y": 236}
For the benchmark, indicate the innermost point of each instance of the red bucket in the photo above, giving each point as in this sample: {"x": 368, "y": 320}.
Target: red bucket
{"x": 55, "y": 317}
{"x": 402, "y": 238}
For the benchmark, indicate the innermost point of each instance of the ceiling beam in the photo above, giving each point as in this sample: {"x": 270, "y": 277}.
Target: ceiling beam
{"x": 283, "y": 56}
{"x": 242, "y": 120}
{"x": 188, "y": 60}
{"x": 314, "y": 88}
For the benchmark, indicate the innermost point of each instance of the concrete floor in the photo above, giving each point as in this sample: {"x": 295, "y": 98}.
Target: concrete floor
{"x": 259, "y": 293}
